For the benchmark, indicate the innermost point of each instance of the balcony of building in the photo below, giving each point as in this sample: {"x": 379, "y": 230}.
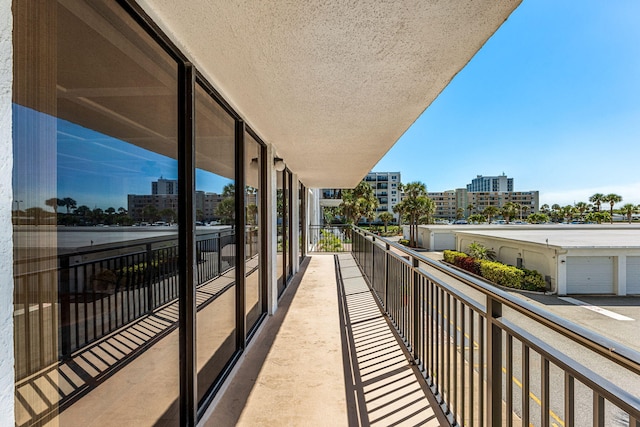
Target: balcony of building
{"x": 205, "y": 323}
{"x": 407, "y": 340}
{"x": 369, "y": 333}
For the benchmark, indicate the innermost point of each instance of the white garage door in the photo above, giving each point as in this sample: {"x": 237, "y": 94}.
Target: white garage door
{"x": 442, "y": 241}
{"x": 633, "y": 275}
{"x": 589, "y": 275}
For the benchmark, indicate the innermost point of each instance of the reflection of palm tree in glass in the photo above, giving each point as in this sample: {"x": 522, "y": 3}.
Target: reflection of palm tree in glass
{"x": 69, "y": 203}
{"x": 53, "y": 203}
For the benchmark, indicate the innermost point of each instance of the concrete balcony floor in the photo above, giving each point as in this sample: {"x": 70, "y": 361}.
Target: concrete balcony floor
{"x": 328, "y": 357}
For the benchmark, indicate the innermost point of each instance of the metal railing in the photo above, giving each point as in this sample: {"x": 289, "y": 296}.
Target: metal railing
{"x": 489, "y": 358}
{"x": 330, "y": 238}
{"x": 66, "y": 302}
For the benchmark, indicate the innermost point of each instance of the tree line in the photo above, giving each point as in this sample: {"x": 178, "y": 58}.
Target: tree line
{"x": 417, "y": 208}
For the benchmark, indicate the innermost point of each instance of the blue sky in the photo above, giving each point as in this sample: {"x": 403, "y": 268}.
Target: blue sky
{"x": 92, "y": 168}
{"x": 552, "y": 100}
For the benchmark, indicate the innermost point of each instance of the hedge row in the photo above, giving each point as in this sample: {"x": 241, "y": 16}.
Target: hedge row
{"x": 504, "y": 275}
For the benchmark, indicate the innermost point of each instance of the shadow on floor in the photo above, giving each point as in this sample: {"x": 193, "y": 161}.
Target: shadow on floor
{"x": 385, "y": 389}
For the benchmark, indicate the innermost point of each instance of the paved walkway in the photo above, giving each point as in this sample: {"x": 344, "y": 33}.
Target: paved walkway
{"x": 328, "y": 357}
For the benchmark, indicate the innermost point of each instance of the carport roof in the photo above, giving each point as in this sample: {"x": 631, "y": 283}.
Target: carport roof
{"x": 578, "y": 238}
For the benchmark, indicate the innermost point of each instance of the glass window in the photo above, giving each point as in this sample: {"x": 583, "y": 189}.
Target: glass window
{"x": 288, "y": 224}
{"x": 302, "y": 191}
{"x": 95, "y": 241}
{"x": 281, "y": 218}
{"x": 215, "y": 239}
{"x": 253, "y": 223}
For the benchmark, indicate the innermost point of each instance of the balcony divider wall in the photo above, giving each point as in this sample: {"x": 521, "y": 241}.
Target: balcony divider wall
{"x": 108, "y": 316}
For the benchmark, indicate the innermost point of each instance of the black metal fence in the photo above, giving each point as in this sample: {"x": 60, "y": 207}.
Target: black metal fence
{"x": 64, "y": 303}
{"x": 329, "y": 238}
{"x": 481, "y": 352}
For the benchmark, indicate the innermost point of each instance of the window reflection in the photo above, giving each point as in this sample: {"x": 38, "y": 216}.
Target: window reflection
{"x": 281, "y": 209}
{"x": 254, "y": 263}
{"x": 216, "y": 239}
{"x": 95, "y": 283}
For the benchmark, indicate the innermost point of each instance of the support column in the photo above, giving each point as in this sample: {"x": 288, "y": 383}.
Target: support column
{"x": 272, "y": 232}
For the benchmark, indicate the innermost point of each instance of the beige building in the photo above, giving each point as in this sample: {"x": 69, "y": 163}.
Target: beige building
{"x": 448, "y": 202}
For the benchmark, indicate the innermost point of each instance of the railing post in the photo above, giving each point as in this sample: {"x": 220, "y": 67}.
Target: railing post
{"x": 386, "y": 276}
{"x": 373, "y": 262}
{"x": 150, "y": 270}
{"x": 415, "y": 262}
{"x": 65, "y": 306}
{"x": 219, "y": 255}
{"x": 494, "y": 363}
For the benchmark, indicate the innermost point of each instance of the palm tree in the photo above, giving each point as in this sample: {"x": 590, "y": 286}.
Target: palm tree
{"x": 545, "y": 209}
{"x": 509, "y": 210}
{"x": 477, "y": 218}
{"x": 568, "y": 212}
{"x": 612, "y": 199}
{"x": 556, "y": 212}
{"x": 581, "y": 207}
{"x": 358, "y": 202}
{"x": 470, "y": 208}
{"x": 428, "y": 209}
{"x": 629, "y": 209}
{"x": 69, "y": 203}
{"x": 489, "y": 212}
{"x": 399, "y": 209}
{"x": 386, "y": 218}
{"x": 597, "y": 200}
{"x": 415, "y": 204}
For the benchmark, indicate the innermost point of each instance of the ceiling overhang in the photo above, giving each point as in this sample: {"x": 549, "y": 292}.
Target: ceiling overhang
{"x": 331, "y": 84}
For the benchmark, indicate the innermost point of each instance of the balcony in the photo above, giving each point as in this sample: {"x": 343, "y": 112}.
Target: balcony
{"x": 474, "y": 354}
{"x": 361, "y": 375}
{"x": 378, "y": 334}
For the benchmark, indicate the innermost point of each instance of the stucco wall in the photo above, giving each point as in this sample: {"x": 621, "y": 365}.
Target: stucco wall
{"x": 6, "y": 245}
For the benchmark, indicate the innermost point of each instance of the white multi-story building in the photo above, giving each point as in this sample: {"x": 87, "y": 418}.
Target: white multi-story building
{"x": 490, "y": 183}
{"x": 164, "y": 186}
{"x": 386, "y": 186}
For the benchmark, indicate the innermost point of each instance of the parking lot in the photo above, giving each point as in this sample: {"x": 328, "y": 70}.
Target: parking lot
{"x": 614, "y": 317}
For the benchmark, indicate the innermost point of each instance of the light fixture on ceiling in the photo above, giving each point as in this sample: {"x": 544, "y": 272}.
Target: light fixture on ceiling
{"x": 278, "y": 163}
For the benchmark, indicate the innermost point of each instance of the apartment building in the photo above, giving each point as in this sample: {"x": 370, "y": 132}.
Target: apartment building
{"x": 460, "y": 202}
{"x": 386, "y": 188}
{"x": 115, "y": 326}
{"x": 490, "y": 183}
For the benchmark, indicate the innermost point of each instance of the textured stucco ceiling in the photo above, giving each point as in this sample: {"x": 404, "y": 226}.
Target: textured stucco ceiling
{"x": 331, "y": 84}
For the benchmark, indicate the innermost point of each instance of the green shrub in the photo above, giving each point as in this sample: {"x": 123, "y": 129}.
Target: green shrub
{"x": 480, "y": 251}
{"x": 496, "y": 272}
{"x": 329, "y": 242}
{"x": 404, "y": 242}
{"x": 504, "y": 275}
{"x": 450, "y": 256}
{"x": 533, "y": 281}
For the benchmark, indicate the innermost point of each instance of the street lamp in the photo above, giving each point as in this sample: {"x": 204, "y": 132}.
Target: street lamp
{"x": 17, "y": 202}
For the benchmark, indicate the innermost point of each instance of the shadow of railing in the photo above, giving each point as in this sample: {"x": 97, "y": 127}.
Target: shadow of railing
{"x": 386, "y": 389}
{"x": 45, "y": 393}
